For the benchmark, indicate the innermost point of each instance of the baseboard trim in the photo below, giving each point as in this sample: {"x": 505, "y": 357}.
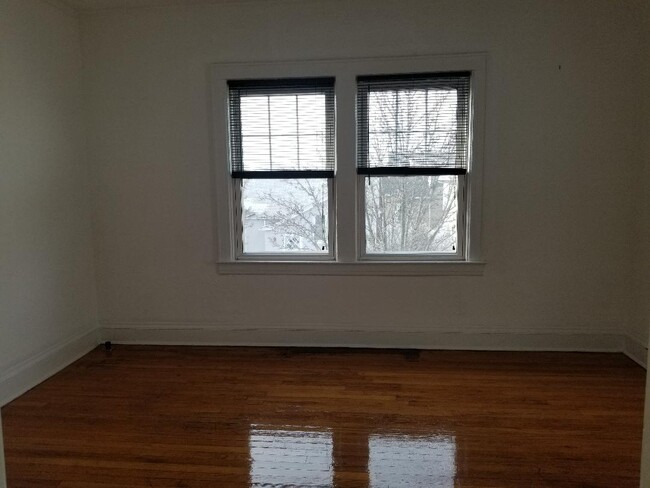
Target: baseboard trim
{"x": 636, "y": 351}
{"x": 206, "y": 335}
{"x": 26, "y": 374}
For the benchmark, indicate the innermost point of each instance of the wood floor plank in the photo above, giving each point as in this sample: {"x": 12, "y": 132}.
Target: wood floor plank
{"x": 194, "y": 417}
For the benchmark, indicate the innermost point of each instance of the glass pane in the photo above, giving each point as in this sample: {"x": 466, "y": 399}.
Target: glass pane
{"x": 284, "y": 151}
{"x": 311, "y": 114}
{"x": 312, "y": 151}
{"x": 256, "y": 151}
{"x": 253, "y": 119}
{"x": 412, "y": 110}
{"x": 415, "y": 127}
{"x": 411, "y": 214}
{"x": 285, "y": 215}
{"x": 284, "y": 132}
{"x": 442, "y": 143}
{"x": 382, "y": 112}
{"x": 441, "y": 109}
{"x": 283, "y": 115}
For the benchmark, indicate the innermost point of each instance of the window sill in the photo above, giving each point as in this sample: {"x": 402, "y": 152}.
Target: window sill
{"x": 440, "y": 268}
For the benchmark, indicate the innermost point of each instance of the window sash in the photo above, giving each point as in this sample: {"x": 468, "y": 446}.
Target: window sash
{"x": 238, "y": 89}
{"x": 457, "y": 81}
{"x": 461, "y": 230}
{"x": 240, "y": 255}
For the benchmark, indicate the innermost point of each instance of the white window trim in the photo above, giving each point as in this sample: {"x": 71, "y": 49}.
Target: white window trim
{"x": 346, "y": 257}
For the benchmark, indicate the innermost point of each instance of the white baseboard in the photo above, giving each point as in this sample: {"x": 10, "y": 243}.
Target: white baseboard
{"x": 636, "y": 351}
{"x": 29, "y": 373}
{"x": 476, "y": 339}
{"x": 26, "y": 374}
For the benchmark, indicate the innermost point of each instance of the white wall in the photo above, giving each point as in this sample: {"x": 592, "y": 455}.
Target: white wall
{"x": 645, "y": 181}
{"x": 640, "y": 328}
{"x": 558, "y": 219}
{"x": 46, "y": 267}
{"x": 644, "y": 285}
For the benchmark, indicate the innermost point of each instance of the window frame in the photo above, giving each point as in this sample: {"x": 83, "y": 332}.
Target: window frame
{"x": 347, "y": 256}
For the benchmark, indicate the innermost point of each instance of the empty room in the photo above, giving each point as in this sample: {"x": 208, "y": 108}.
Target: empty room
{"x": 324, "y": 243}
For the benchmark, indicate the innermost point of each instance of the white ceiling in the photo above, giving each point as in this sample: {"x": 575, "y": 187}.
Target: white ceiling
{"x": 104, "y": 4}
{"x": 98, "y": 4}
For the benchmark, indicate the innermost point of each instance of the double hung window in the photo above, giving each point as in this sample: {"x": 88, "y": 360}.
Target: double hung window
{"x": 282, "y": 162}
{"x": 413, "y": 133}
{"x": 291, "y": 141}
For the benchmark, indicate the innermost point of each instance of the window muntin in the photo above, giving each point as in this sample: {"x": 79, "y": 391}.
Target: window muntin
{"x": 412, "y": 161}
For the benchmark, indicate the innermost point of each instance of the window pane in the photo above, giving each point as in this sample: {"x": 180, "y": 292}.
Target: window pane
{"x": 285, "y": 215}
{"x": 283, "y": 115}
{"x": 285, "y": 151}
{"x": 411, "y": 214}
{"x": 253, "y": 122}
{"x": 441, "y": 110}
{"x": 312, "y": 151}
{"x": 256, "y": 151}
{"x": 382, "y": 108}
{"x": 311, "y": 112}
{"x": 284, "y": 131}
{"x": 419, "y": 122}
{"x": 412, "y": 112}
{"x": 442, "y": 143}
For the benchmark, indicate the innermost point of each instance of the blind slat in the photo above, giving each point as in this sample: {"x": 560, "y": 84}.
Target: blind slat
{"x": 282, "y": 126}
{"x": 413, "y": 124}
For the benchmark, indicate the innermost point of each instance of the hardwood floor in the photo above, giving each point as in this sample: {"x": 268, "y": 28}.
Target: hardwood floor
{"x": 278, "y": 417}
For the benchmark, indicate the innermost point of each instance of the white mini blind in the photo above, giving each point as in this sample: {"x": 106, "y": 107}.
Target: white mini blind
{"x": 413, "y": 124}
{"x": 282, "y": 128}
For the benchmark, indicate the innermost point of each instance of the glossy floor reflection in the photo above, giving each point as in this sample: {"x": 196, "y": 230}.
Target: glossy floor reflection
{"x": 401, "y": 460}
{"x": 291, "y": 458}
{"x": 174, "y": 417}
{"x": 304, "y": 458}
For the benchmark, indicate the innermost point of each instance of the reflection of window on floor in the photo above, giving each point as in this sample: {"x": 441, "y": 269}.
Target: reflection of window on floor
{"x": 416, "y": 462}
{"x": 299, "y": 458}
